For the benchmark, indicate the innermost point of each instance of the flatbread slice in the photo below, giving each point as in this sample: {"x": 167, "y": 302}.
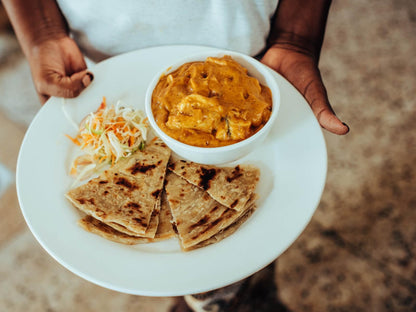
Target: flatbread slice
{"x": 95, "y": 226}
{"x": 227, "y": 231}
{"x": 196, "y": 215}
{"x": 164, "y": 230}
{"x": 151, "y": 229}
{"x": 230, "y": 186}
{"x": 129, "y": 192}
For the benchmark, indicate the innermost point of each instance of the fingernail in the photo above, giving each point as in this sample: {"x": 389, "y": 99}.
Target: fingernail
{"x": 346, "y": 126}
{"x": 88, "y": 78}
{"x": 90, "y": 75}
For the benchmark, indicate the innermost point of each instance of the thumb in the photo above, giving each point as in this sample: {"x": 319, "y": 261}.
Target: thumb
{"x": 315, "y": 94}
{"x": 58, "y": 85}
{"x": 329, "y": 121}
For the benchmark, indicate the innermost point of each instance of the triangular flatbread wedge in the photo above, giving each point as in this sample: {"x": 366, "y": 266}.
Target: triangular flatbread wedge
{"x": 129, "y": 192}
{"x": 164, "y": 229}
{"x": 196, "y": 215}
{"x": 227, "y": 231}
{"x": 95, "y": 226}
{"x": 230, "y": 186}
{"x": 151, "y": 229}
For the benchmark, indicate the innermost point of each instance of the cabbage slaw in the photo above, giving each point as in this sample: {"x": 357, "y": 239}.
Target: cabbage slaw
{"x": 107, "y": 135}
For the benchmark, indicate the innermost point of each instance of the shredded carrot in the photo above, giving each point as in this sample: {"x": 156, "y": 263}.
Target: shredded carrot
{"x": 73, "y": 171}
{"x": 103, "y": 104}
{"x": 131, "y": 141}
{"x": 74, "y": 140}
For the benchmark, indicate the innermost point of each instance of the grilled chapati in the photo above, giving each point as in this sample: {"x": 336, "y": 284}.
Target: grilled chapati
{"x": 95, "y": 226}
{"x": 196, "y": 215}
{"x": 128, "y": 193}
{"x": 102, "y": 229}
{"x": 139, "y": 201}
{"x": 165, "y": 228}
{"x": 151, "y": 229}
{"x": 230, "y": 186}
{"x": 227, "y": 231}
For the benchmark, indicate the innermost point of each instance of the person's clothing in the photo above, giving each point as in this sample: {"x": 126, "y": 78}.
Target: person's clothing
{"x": 256, "y": 293}
{"x": 105, "y": 28}
{"x": 216, "y": 300}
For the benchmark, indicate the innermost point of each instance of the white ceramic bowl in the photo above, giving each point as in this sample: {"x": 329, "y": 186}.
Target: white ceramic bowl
{"x": 223, "y": 154}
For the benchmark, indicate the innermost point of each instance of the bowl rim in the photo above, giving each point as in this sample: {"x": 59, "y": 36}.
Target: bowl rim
{"x": 265, "y": 71}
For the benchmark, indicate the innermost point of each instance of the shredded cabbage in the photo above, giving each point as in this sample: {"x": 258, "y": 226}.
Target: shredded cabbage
{"x": 106, "y": 136}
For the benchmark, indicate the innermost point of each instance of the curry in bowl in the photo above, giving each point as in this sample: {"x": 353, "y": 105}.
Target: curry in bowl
{"x": 210, "y": 103}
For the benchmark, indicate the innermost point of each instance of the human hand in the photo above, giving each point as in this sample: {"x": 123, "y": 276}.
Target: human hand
{"x": 58, "y": 69}
{"x": 300, "y": 68}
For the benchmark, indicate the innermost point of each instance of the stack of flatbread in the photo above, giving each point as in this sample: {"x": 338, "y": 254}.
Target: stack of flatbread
{"x": 124, "y": 204}
{"x": 209, "y": 203}
{"x": 143, "y": 199}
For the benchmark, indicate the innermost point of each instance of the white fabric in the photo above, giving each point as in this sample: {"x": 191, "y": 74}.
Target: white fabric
{"x": 214, "y": 301}
{"x": 114, "y": 27}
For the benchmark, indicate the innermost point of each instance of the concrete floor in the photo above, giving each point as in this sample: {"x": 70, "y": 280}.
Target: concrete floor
{"x": 359, "y": 251}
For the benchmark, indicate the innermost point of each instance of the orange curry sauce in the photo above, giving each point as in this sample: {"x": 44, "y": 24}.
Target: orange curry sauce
{"x": 210, "y": 104}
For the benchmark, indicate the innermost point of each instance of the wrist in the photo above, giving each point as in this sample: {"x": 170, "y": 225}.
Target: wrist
{"x": 36, "y": 21}
{"x": 294, "y": 42}
{"x": 300, "y": 24}
{"x": 47, "y": 31}
{"x": 46, "y": 42}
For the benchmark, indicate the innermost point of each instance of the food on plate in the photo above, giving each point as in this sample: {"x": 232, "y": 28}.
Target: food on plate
{"x": 147, "y": 196}
{"x": 228, "y": 230}
{"x": 108, "y": 135}
{"x": 231, "y": 186}
{"x": 128, "y": 194}
{"x": 116, "y": 201}
{"x": 210, "y": 104}
{"x": 196, "y": 215}
{"x": 164, "y": 229}
{"x": 95, "y": 226}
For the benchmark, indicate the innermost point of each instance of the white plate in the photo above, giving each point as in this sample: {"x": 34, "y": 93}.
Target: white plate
{"x": 293, "y": 165}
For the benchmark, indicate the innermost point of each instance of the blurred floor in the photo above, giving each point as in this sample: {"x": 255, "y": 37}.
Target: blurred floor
{"x": 359, "y": 251}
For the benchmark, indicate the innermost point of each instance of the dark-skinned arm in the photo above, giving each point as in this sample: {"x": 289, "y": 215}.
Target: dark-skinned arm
{"x": 57, "y": 65}
{"x": 294, "y": 47}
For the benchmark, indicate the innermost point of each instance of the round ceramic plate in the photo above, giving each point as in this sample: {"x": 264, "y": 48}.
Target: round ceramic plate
{"x": 292, "y": 160}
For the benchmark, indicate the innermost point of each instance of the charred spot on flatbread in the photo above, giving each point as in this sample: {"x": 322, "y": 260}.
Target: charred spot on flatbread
{"x": 133, "y": 206}
{"x": 234, "y": 203}
{"x": 235, "y": 174}
{"x": 125, "y": 182}
{"x": 136, "y": 168}
{"x": 205, "y": 177}
{"x": 82, "y": 201}
{"x": 156, "y": 193}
